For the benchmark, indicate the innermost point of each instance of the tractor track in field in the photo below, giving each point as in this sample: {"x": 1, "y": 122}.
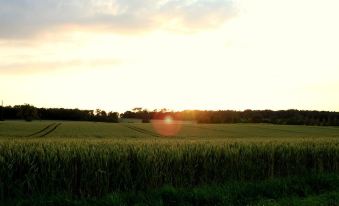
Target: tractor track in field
{"x": 46, "y": 130}
{"x": 144, "y": 131}
{"x": 51, "y": 130}
{"x": 42, "y": 130}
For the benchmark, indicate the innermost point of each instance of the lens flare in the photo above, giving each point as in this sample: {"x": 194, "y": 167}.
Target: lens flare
{"x": 168, "y": 120}
{"x": 166, "y": 125}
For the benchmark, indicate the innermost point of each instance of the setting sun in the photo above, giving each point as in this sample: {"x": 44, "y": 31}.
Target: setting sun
{"x": 168, "y": 120}
{"x": 166, "y": 126}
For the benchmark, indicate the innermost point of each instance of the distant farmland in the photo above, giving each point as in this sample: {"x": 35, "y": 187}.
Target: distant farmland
{"x": 88, "y": 159}
{"x": 69, "y": 129}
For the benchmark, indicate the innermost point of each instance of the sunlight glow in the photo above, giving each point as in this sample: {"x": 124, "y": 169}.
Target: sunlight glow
{"x": 168, "y": 120}
{"x": 166, "y": 126}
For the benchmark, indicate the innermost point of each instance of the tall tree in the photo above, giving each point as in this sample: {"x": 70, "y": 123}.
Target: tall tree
{"x": 27, "y": 112}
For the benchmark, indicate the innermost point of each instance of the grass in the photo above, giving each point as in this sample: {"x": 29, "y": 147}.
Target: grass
{"x": 90, "y": 160}
{"x": 308, "y": 190}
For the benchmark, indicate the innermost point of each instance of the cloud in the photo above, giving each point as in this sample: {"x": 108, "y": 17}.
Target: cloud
{"x": 34, "y": 67}
{"x": 24, "y": 18}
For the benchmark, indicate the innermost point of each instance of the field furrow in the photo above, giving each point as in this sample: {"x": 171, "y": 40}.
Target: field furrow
{"x": 42, "y": 130}
{"x": 144, "y": 131}
{"x": 51, "y": 130}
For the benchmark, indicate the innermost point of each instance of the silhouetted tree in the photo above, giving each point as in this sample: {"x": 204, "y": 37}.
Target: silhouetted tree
{"x": 113, "y": 117}
{"x": 146, "y": 117}
{"x": 1, "y": 113}
{"x": 27, "y": 112}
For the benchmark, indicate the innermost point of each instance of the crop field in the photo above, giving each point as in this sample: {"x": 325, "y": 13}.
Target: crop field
{"x": 84, "y": 130}
{"x": 87, "y": 159}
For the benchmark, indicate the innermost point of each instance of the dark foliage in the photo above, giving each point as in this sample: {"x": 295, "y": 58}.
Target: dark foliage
{"x": 290, "y": 117}
{"x": 1, "y": 113}
{"x": 29, "y": 113}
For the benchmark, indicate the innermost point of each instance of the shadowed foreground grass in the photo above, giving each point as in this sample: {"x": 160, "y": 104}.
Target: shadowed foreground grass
{"x": 99, "y": 167}
{"x": 308, "y": 190}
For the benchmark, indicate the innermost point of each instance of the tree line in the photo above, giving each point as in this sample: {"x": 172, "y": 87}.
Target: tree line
{"x": 29, "y": 113}
{"x": 288, "y": 117}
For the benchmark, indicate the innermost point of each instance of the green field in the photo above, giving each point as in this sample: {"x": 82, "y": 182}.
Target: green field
{"x": 93, "y": 160}
{"x": 15, "y": 129}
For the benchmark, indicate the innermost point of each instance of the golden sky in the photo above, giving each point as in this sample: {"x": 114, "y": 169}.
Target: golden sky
{"x": 188, "y": 54}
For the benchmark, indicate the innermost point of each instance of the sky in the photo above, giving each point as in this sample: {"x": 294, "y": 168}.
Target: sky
{"x": 176, "y": 54}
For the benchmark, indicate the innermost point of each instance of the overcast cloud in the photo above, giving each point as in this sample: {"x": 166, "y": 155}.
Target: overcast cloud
{"x": 24, "y": 18}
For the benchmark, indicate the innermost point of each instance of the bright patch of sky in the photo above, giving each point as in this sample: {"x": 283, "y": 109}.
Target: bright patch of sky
{"x": 121, "y": 54}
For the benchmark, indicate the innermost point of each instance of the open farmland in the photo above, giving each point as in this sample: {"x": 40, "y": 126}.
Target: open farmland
{"x": 87, "y": 159}
{"x": 85, "y": 130}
